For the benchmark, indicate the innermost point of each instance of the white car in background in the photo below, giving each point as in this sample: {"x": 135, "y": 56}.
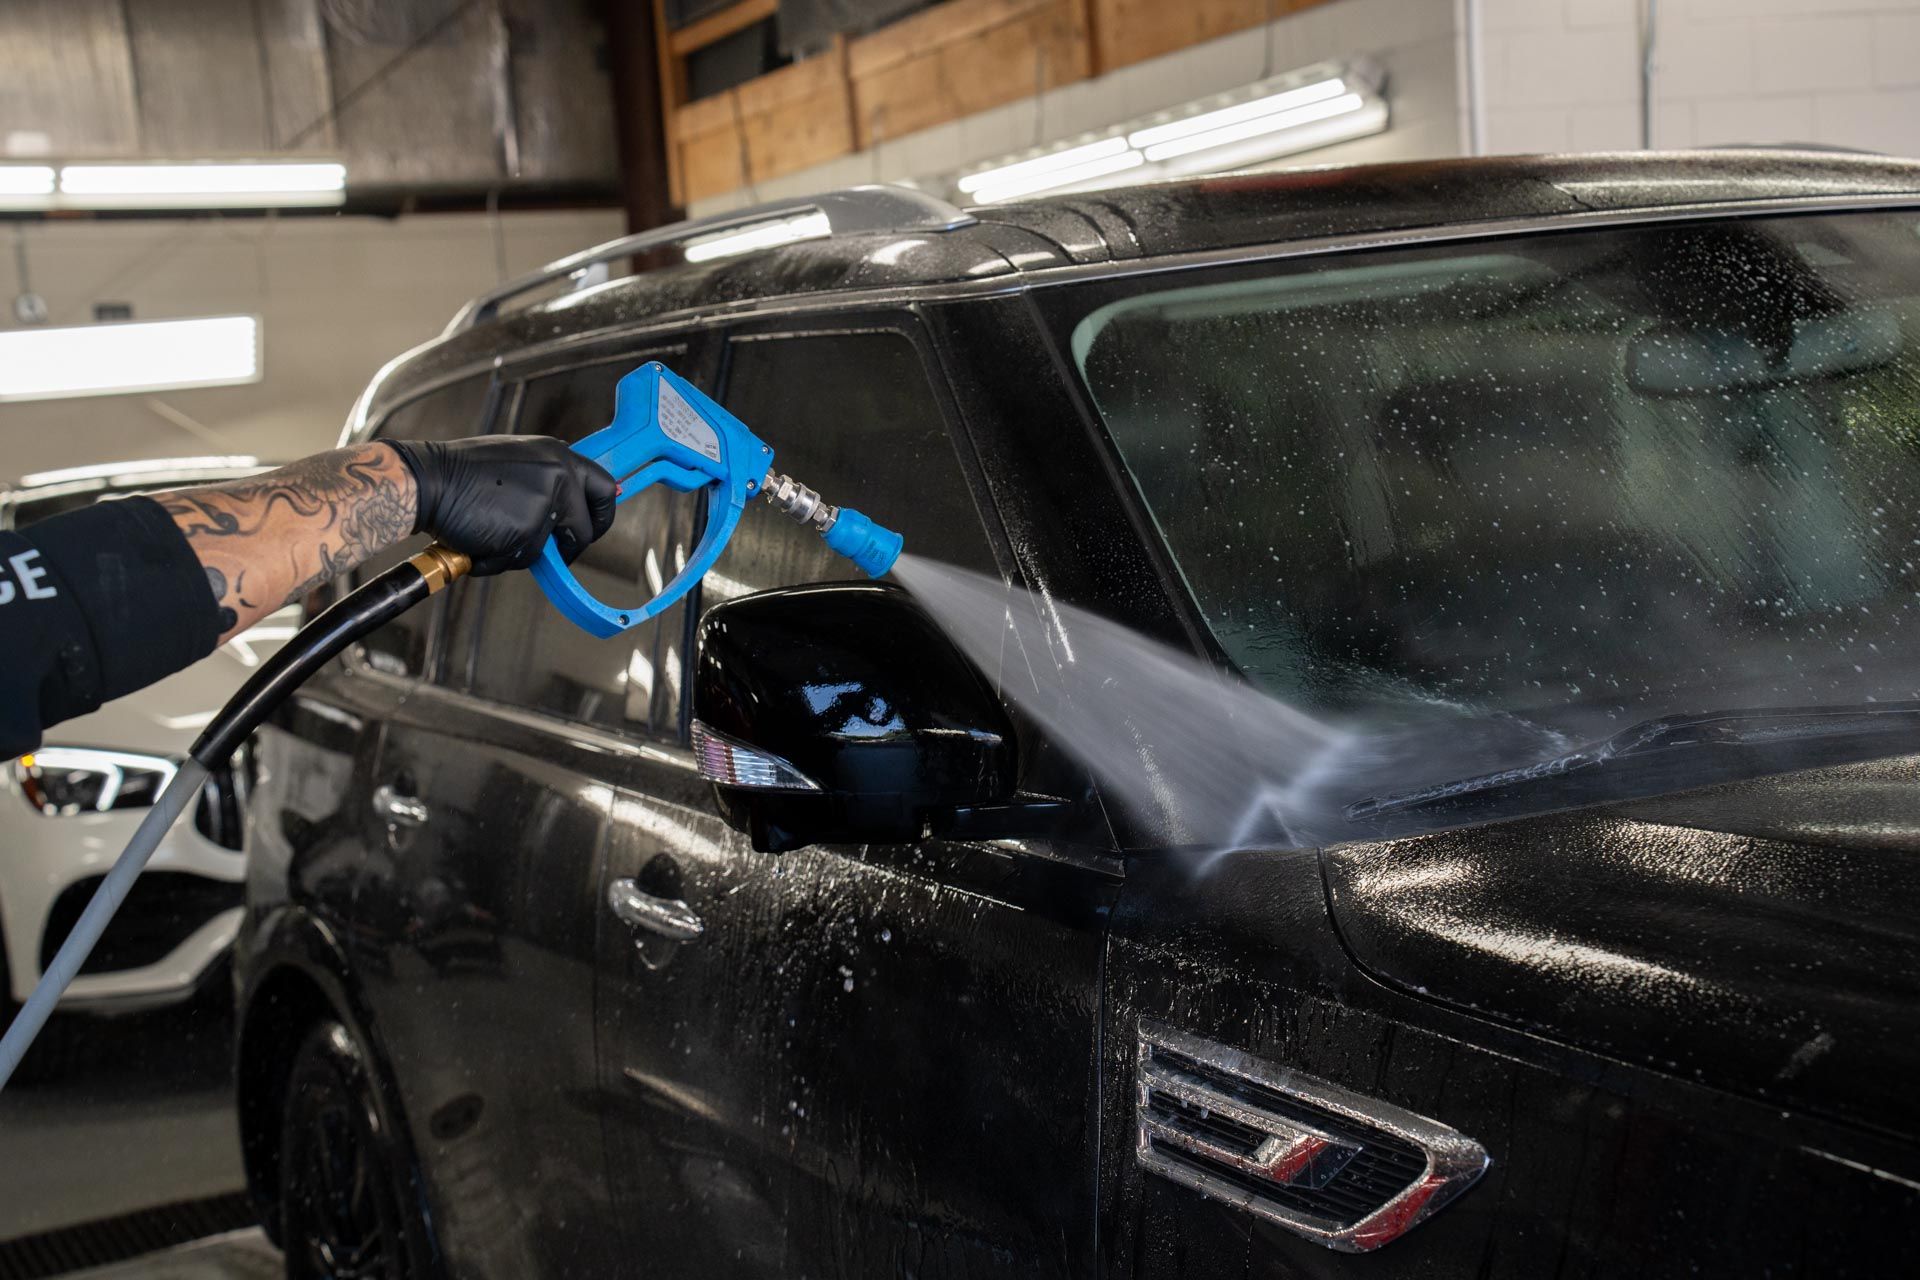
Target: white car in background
{"x": 71, "y": 806}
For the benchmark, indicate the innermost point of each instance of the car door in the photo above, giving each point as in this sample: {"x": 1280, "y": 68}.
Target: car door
{"x": 870, "y": 1060}
{"x": 494, "y": 785}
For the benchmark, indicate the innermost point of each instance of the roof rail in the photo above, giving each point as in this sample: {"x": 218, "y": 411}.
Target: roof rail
{"x": 849, "y": 212}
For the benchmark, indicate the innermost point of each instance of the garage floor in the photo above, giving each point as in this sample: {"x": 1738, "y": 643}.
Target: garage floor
{"x": 244, "y": 1255}
{"x": 144, "y": 1118}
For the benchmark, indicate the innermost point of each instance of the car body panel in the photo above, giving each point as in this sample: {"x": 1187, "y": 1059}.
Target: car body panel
{"x": 1597, "y": 1167}
{"x": 877, "y": 1060}
{"x": 508, "y": 1124}
{"x": 1658, "y": 932}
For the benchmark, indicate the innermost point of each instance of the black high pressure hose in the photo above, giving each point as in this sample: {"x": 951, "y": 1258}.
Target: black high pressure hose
{"x": 379, "y": 601}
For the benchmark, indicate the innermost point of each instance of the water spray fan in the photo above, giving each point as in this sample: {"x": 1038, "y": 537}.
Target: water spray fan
{"x": 666, "y": 431}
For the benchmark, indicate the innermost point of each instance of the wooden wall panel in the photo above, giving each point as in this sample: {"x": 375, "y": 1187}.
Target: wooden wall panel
{"x": 706, "y": 146}
{"x": 787, "y": 120}
{"x": 947, "y": 62}
{"x": 1130, "y": 31}
{"x": 963, "y": 57}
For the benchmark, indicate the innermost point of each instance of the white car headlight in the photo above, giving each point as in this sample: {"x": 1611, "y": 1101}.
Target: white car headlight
{"x": 64, "y": 781}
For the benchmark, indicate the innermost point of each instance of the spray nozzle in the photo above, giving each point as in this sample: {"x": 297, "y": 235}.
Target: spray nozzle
{"x": 872, "y": 548}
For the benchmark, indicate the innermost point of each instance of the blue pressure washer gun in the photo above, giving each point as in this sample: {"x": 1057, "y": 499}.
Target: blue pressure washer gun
{"x": 666, "y": 431}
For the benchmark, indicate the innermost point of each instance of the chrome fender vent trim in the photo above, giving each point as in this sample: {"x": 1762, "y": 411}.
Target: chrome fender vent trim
{"x": 1346, "y": 1171}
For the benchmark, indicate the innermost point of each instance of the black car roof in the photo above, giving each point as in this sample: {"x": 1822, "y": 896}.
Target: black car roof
{"x": 1194, "y": 215}
{"x": 1224, "y": 212}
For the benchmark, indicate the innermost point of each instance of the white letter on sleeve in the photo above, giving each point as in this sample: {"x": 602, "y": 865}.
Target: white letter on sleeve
{"x": 32, "y": 576}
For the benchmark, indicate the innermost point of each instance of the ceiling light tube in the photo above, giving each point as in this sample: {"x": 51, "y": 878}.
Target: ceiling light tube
{"x": 1010, "y": 175}
{"x": 1345, "y": 104}
{"x": 25, "y": 186}
{"x": 201, "y": 185}
{"x": 26, "y": 179}
{"x": 1062, "y": 178}
{"x": 809, "y": 226}
{"x": 112, "y": 359}
{"x": 1267, "y": 106}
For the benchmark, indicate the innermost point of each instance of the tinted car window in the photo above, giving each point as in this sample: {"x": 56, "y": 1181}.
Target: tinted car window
{"x": 853, "y": 416}
{"x": 515, "y": 647}
{"x": 1519, "y": 496}
{"x": 454, "y": 411}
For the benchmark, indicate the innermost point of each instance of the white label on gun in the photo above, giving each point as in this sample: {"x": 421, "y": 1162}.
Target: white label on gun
{"x": 683, "y": 425}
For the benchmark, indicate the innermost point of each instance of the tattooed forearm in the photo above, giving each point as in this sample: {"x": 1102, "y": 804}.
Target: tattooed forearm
{"x": 271, "y": 538}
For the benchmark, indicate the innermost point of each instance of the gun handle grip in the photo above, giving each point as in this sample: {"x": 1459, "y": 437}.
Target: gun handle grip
{"x": 598, "y": 618}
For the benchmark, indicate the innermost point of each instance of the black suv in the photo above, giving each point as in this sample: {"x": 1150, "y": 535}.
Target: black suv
{"x": 1587, "y": 491}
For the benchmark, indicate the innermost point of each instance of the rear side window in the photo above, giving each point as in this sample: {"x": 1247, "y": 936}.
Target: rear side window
{"x": 511, "y": 643}
{"x": 855, "y": 417}
{"x": 454, "y": 411}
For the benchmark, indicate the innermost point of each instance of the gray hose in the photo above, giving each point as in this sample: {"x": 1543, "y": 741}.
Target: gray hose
{"x": 93, "y": 922}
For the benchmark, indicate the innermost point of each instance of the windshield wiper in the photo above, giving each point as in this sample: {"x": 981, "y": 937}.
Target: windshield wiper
{"x": 1655, "y": 757}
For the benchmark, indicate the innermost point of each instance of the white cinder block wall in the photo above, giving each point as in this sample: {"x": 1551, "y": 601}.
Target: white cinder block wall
{"x": 1565, "y": 74}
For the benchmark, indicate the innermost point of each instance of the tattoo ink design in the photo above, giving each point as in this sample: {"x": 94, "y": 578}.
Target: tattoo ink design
{"x": 229, "y": 617}
{"x": 268, "y": 540}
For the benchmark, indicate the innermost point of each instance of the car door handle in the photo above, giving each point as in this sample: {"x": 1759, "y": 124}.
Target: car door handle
{"x": 401, "y": 811}
{"x": 668, "y": 917}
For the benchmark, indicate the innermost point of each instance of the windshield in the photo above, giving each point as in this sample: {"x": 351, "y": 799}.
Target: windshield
{"x": 1518, "y": 495}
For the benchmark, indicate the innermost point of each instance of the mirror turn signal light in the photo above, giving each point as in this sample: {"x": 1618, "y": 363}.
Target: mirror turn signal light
{"x": 733, "y": 763}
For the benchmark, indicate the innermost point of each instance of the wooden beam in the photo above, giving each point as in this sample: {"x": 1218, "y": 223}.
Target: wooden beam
{"x": 673, "y": 94}
{"x": 640, "y": 127}
{"x": 718, "y": 26}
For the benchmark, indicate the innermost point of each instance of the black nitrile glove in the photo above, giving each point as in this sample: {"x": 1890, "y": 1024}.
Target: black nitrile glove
{"x": 496, "y": 498}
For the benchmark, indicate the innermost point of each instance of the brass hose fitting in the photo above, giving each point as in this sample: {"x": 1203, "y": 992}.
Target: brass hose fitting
{"x": 441, "y": 566}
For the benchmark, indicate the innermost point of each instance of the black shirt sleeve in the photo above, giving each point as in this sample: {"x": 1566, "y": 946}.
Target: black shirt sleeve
{"x": 94, "y": 604}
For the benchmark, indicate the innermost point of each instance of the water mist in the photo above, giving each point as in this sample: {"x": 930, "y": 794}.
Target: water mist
{"x": 1210, "y": 761}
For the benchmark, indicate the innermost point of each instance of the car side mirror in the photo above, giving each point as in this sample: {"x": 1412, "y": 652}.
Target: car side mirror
{"x": 840, "y": 713}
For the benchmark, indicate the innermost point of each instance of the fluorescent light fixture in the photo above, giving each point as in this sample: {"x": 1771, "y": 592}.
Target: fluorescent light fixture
{"x": 111, "y": 359}
{"x": 1315, "y": 106}
{"x": 206, "y": 184}
{"x": 25, "y": 186}
{"x": 765, "y": 235}
{"x": 139, "y": 467}
{"x": 1210, "y": 120}
{"x": 1259, "y": 126}
{"x": 1027, "y": 170}
{"x": 1127, "y": 158}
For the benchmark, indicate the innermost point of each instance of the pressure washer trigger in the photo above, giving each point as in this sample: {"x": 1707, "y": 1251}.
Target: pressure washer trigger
{"x": 664, "y": 431}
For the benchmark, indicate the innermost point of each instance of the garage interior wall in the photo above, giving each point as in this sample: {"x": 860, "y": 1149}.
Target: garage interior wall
{"x": 1417, "y": 43}
{"x": 337, "y": 297}
{"x": 1559, "y": 75}
{"x": 1564, "y": 75}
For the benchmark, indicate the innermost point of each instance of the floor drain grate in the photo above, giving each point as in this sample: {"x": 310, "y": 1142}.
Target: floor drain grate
{"x": 95, "y": 1244}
